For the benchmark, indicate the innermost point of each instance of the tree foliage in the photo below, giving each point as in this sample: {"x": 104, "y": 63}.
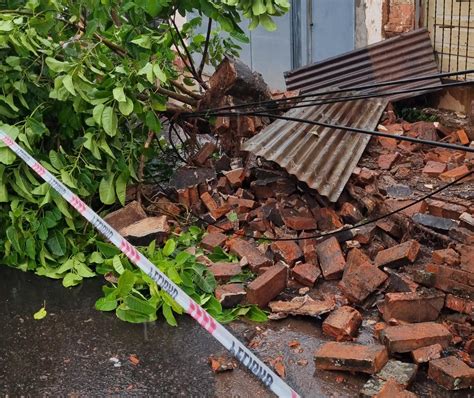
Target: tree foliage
{"x": 83, "y": 82}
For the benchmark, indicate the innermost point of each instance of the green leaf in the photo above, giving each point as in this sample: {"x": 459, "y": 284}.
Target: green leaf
{"x": 127, "y": 315}
{"x": 6, "y": 26}
{"x": 125, "y": 283}
{"x": 139, "y": 305}
{"x": 119, "y": 94}
{"x": 169, "y": 248}
{"x": 71, "y": 279}
{"x": 84, "y": 271}
{"x": 108, "y": 250}
{"x": 56, "y": 243}
{"x": 168, "y": 314}
{"x": 40, "y": 314}
{"x": 69, "y": 85}
{"x": 7, "y": 156}
{"x": 67, "y": 179}
{"x": 109, "y": 121}
{"x": 256, "y": 314}
{"x": 106, "y": 190}
{"x": 57, "y": 66}
{"x": 268, "y": 23}
{"x": 126, "y": 108}
{"x": 152, "y": 122}
{"x": 159, "y": 74}
{"x": 121, "y": 188}
{"x": 96, "y": 258}
{"x": 118, "y": 266}
{"x": 97, "y": 113}
{"x": 107, "y": 303}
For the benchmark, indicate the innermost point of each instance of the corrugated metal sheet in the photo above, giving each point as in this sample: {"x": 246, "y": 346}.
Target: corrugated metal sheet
{"x": 322, "y": 157}
{"x": 402, "y": 57}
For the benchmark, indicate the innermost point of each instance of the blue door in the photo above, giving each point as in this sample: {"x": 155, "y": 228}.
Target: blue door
{"x": 332, "y": 28}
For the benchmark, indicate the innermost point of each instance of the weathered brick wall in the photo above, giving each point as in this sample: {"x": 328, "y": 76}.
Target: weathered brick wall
{"x": 398, "y": 17}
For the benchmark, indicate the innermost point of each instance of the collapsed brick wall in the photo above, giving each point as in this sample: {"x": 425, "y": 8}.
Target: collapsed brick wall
{"x": 398, "y": 17}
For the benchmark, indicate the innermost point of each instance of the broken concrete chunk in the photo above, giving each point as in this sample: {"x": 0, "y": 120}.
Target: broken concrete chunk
{"x": 146, "y": 230}
{"x": 230, "y": 295}
{"x": 400, "y": 373}
{"x": 126, "y": 216}
{"x": 331, "y": 259}
{"x": 342, "y": 323}
{"x": 268, "y": 285}
{"x": 302, "y": 306}
{"x": 437, "y": 223}
{"x": 399, "y": 255}
{"x": 254, "y": 256}
{"x": 420, "y": 306}
{"x": 451, "y": 373}
{"x": 406, "y": 338}
{"x": 467, "y": 221}
{"x": 306, "y": 274}
{"x": 426, "y": 354}
{"x": 225, "y": 271}
{"x": 288, "y": 251}
{"x": 351, "y": 357}
{"x": 213, "y": 240}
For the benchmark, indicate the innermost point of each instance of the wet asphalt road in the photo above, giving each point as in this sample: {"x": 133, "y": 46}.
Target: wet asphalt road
{"x": 68, "y": 353}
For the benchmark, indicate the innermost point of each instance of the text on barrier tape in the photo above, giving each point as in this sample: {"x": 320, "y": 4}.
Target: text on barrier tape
{"x": 221, "y": 334}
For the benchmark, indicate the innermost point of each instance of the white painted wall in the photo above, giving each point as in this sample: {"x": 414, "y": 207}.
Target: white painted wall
{"x": 373, "y": 20}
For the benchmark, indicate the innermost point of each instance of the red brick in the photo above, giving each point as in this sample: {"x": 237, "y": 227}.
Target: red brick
{"x": 355, "y": 258}
{"x": 434, "y": 169}
{"x": 351, "y": 357}
{"x": 309, "y": 248}
{"x": 205, "y": 153}
{"x": 451, "y": 373}
{"x": 126, "y": 216}
{"x": 409, "y": 337}
{"x": 394, "y": 204}
{"x": 386, "y": 162}
{"x": 366, "y": 176}
{"x": 254, "y": 256}
{"x": 444, "y": 209}
{"x": 299, "y": 223}
{"x": 209, "y": 202}
{"x": 463, "y": 137}
{"x": 235, "y": 177}
{"x": 454, "y": 174}
{"x": 328, "y": 220}
{"x": 445, "y": 256}
{"x": 459, "y": 304}
{"x": 306, "y": 274}
{"x": 268, "y": 285}
{"x": 467, "y": 257}
{"x": 343, "y": 323}
{"x": 287, "y": 250}
{"x": 426, "y": 354}
{"x": 402, "y": 283}
{"x": 224, "y": 271}
{"x": 331, "y": 259}
{"x": 244, "y": 205}
{"x": 413, "y": 306}
{"x": 398, "y": 255}
{"x": 358, "y": 283}
{"x": 350, "y": 214}
{"x": 391, "y": 389}
{"x": 390, "y": 227}
{"x": 210, "y": 241}
{"x": 467, "y": 221}
{"x": 364, "y": 235}
{"x": 231, "y": 294}
{"x": 451, "y": 280}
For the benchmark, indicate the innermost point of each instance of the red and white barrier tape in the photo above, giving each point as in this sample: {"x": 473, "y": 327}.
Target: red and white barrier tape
{"x": 221, "y": 334}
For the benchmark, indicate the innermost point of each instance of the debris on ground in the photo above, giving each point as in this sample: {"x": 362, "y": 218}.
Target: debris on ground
{"x": 304, "y": 253}
{"x": 222, "y": 364}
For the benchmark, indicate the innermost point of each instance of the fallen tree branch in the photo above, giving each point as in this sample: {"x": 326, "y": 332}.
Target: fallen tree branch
{"x": 206, "y": 47}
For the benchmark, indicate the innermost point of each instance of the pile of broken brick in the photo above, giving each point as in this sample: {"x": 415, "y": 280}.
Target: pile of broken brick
{"x": 416, "y": 267}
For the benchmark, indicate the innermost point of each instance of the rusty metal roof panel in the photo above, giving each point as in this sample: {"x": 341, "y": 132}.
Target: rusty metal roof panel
{"x": 322, "y": 157}
{"x": 401, "y": 57}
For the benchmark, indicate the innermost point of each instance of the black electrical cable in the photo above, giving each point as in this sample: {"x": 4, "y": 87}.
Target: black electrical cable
{"x": 355, "y": 130}
{"x": 337, "y": 91}
{"x": 313, "y": 102}
{"x": 342, "y": 230}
